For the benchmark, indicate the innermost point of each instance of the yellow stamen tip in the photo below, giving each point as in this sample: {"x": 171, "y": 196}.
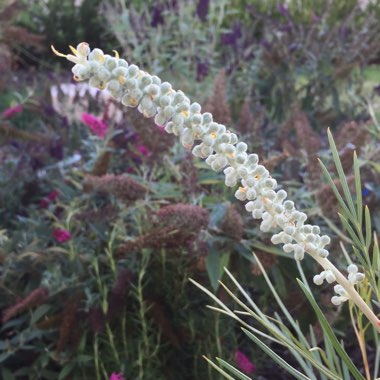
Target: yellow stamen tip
{"x": 116, "y": 54}
{"x": 122, "y": 79}
{"x": 56, "y": 52}
{"x": 75, "y": 51}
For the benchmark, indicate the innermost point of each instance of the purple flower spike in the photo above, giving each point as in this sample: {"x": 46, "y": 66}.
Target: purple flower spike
{"x": 202, "y": 9}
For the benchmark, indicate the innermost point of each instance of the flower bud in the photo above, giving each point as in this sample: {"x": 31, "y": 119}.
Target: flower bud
{"x": 318, "y": 279}
{"x": 352, "y": 268}
{"x": 336, "y": 300}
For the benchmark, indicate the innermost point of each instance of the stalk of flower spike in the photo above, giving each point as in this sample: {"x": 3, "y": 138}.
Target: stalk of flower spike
{"x": 222, "y": 151}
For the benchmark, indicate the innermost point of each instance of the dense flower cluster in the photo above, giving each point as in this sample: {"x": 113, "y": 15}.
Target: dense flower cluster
{"x": 219, "y": 146}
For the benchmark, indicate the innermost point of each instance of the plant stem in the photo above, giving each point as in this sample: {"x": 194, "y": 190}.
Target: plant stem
{"x": 349, "y": 288}
{"x": 359, "y": 332}
{"x": 96, "y": 357}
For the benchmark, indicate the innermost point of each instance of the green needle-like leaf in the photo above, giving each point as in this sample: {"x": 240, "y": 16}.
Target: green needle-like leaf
{"x": 341, "y": 174}
{"x": 358, "y": 190}
{"x": 330, "y": 334}
{"x": 232, "y": 369}
{"x": 224, "y": 373}
{"x": 368, "y": 227}
{"x": 280, "y": 361}
{"x": 341, "y": 202}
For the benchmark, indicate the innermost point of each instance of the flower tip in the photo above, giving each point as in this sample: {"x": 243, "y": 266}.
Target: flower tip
{"x": 116, "y": 54}
{"x": 56, "y": 52}
{"x": 75, "y": 51}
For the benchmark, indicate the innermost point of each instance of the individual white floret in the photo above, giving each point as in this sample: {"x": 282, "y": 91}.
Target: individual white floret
{"x": 156, "y": 80}
{"x": 242, "y": 171}
{"x": 231, "y": 176}
{"x": 110, "y": 63}
{"x": 337, "y": 300}
{"x": 288, "y": 248}
{"x": 147, "y": 107}
{"x": 122, "y": 63}
{"x": 97, "y": 55}
{"x": 330, "y": 278}
{"x": 289, "y": 205}
{"x": 267, "y": 223}
{"x": 132, "y": 98}
{"x": 83, "y": 49}
{"x": 318, "y": 279}
{"x": 352, "y": 268}
{"x": 299, "y": 252}
{"x": 217, "y": 162}
{"x": 195, "y": 108}
{"x": 160, "y": 119}
{"x": 144, "y": 83}
{"x": 353, "y": 274}
{"x": 322, "y": 252}
{"x": 241, "y": 193}
{"x": 132, "y": 71}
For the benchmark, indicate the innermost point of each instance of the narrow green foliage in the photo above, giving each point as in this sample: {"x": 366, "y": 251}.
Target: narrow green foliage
{"x": 342, "y": 176}
{"x": 358, "y": 191}
{"x": 221, "y": 371}
{"x": 232, "y": 369}
{"x": 330, "y": 181}
{"x": 330, "y": 335}
{"x": 368, "y": 227}
{"x": 281, "y": 362}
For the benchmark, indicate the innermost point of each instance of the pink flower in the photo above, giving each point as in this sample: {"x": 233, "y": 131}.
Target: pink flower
{"x": 97, "y": 126}
{"x": 11, "y": 111}
{"x": 116, "y": 376}
{"x": 243, "y": 363}
{"x": 143, "y": 150}
{"x": 44, "y": 203}
{"x": 61, "y": 235}
{"x": 53, "y": 195}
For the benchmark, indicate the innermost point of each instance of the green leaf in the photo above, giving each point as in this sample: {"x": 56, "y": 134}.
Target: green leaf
{"x": 368, "y": 227}
{"x": 330, "y": 334}
{"x": 336, "y": 192}
{"x": 224, "y": 373}
{"x": 232, "y": 369}
{"x": 39, "y": 313}
{"x": 66, "y": 370}
{"x": 358, "y": 191}
{"x": 4, "y": 356}
{"x": 280, "y": 361}
{"x": 218, "y": 214}
{"x": 6, "y": 374}
{"x": 350, "y": 230}
{"x": 342, "y": 176}
{"x": 215, "y": 262}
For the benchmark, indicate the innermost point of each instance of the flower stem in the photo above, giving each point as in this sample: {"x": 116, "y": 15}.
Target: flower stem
{"x": 349, "y": 288}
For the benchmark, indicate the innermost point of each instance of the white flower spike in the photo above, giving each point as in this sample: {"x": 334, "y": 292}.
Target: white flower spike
{"x": 223, "y": 152}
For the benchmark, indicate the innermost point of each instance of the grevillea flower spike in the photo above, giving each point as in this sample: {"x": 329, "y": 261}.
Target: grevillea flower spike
{"x": 223, "y": 152}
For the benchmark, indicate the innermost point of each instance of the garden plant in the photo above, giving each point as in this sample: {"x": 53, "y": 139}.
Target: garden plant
{"x": 172, "y": 110}
{"x": 114, "y": 232}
